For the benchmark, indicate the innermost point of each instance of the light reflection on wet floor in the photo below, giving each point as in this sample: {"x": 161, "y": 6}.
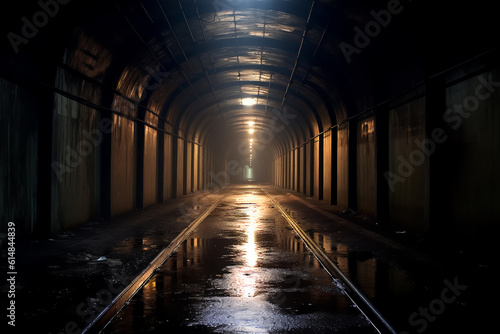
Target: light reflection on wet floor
{"x": 244, "y": 271}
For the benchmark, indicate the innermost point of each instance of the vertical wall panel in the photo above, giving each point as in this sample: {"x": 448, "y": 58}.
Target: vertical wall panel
{"x": 123, "y": 168}
{"x": 281, "y": 174}
{"x": 188, "y": 167}
{"x": 315, "y": 168}
{"x": 302, "y": 162}
{"x": 472, "y": 162}
{"x": 309, "y": 168}
{"x": 333, "y": 173}
{"x": 367, "y": 167}
{"x": 343, "y": 166}
{"x": 167, "y": 167}
{"x": 285, "y": 169}
{"x": 327, "y": 166}
{"x": 180, "y": 172}
{"x": 296, "y": 170}
{"x": 150, "y": 183}
{"x": 290, "y": 170}
{"x": 201, "y": 166}
{"x": 408, "y": 198}
{"x": 19, "y": 147}
{"x": 196, "y": 166}
{"x": 76, "y": 146}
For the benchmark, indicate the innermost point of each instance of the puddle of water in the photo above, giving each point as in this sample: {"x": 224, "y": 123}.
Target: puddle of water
{"x": 388, "y": 288}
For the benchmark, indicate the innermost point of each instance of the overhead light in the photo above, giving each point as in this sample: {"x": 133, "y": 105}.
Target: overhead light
{"x": 248, "y": 101}
{"x": 251, "y": 123}
{"x": 250, "y": 131}
{"x": 251, "y": 140}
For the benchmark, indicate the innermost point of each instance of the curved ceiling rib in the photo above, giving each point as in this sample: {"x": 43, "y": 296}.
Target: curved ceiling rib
{"x": 244, "y": 53}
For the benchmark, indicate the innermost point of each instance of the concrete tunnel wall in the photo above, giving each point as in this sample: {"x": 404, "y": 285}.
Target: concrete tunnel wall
{"x": 92, "y": 152}
{"x": 110, "y": 111}
{"x": 419, "y": 166}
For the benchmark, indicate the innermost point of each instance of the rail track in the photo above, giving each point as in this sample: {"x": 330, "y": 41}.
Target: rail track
{"x": 350, "y": 290}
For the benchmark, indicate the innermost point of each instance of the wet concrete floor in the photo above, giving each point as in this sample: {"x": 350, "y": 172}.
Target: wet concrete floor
{"x": 243, "y": 270}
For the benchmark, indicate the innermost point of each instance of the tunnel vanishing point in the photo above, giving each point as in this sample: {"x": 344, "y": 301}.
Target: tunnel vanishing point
{"x": 386, "y": 108}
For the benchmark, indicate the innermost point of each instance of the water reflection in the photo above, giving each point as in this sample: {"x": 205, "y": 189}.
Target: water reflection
{"x": 244, "y": 271}
{"x": 250, "y": 246}
{"x": 373, "y": 277}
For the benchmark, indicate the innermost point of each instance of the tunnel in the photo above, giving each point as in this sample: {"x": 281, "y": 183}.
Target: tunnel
{"x": 379, "y": 115}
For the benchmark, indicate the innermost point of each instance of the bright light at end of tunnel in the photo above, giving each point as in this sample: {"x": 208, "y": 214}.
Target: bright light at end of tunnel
{"x": 248, "y": 101}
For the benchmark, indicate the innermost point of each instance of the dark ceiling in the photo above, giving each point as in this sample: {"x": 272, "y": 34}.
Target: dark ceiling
{"x": 189, "y": 66}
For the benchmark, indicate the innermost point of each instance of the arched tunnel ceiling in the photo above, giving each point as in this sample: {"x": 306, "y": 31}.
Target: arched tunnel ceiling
{"x": 255, "y": 51}
{"x": 193, "y": 63}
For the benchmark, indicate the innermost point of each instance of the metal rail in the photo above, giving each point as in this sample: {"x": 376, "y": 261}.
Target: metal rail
{"x": 108, "y": 314}
{"x": 350, "y": 290}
